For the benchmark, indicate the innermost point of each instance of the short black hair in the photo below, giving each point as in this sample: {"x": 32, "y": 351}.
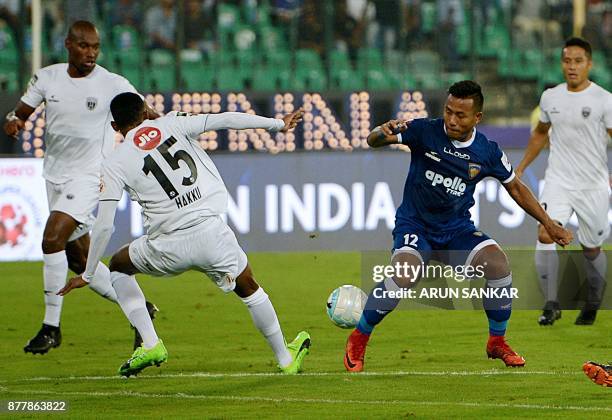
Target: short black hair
{"x": 127, "y": 108}
{"x": 468, "y": 89}
{"x": 578, "y": 42}
{"x": 79, "y": 26}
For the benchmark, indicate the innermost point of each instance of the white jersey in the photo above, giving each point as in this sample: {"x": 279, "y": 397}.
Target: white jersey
{"x": 77, "y": 113}
{"x": 162, "y": 166}
{"x": 578, "y": 157}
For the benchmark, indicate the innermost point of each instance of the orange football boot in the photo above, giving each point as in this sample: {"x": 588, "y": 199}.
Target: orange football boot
{"x": 355, "y": 351}
{"x": 600, "y": 374}
{"x": 497, "y": 348}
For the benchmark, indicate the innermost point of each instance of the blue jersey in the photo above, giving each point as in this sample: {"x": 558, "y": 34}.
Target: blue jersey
{"x": 443, "y": 174}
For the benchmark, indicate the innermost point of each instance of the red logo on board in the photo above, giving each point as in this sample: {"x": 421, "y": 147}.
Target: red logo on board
{"x": 147, "y": 138}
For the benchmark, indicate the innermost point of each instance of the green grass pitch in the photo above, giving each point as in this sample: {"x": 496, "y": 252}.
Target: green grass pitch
{"x": 424, "y": 364}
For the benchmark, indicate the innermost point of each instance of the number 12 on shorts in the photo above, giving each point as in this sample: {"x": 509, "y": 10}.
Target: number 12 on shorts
{"x": 411, "y": 239}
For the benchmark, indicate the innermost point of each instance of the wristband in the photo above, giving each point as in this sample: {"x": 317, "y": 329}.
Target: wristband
{"x": 11, "y": 116}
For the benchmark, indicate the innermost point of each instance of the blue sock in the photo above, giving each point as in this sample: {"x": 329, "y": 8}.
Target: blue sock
{"x": 377, "y": 307}
{"x": 499, "y": 309}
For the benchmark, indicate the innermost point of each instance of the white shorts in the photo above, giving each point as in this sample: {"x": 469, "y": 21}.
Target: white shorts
{"x": 77, "y": 198}
{"x": 591, "y": 207}
{"x": 210, "y": 247}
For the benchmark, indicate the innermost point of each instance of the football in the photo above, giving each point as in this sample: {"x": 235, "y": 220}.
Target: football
{"x": 345, "y": 305}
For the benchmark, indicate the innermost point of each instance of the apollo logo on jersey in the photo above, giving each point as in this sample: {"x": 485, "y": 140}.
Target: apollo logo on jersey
{"x": 454, "y": 186}
{"x": 147, "y": 138}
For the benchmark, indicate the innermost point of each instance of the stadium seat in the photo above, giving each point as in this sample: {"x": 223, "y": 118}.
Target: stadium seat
{"x": 8, "y": 51}
{"x": 428, "y": 16}
{"x": 162, "y": 70}
{"x": 196, "y": 75}
{"x": 530, "y": 65}
{"x": 368, "y": 58}
{"x": 8, "y": 82}
{"x": 263, "y": 80}
{"x": 496, "y": 38}
{"x": 228, "y": 79}
{"x": 381, "y": 79}
{"x": 272, "y": 39}
{"x": 309, "y": 72}
{"x": 228, "y": 19}
{"x": 426, "y": 68}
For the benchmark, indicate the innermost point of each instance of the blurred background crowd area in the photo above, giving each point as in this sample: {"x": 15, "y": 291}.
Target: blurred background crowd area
{"x": 310, "y": 45}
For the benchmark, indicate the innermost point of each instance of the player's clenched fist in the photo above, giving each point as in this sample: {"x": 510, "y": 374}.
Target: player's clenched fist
{"x": 13, "y": 125}
{"x": 292, "y": 120}
{"x": 559, "y": 234}
{"x": 393, "y": 127}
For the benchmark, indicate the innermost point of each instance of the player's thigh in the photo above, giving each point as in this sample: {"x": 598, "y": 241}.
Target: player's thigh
{"x": 411, "y": 250}
{"x": 78, "y": 198}
{"x": 557, "y": 202}
{"x": 592, "y": 208}
{"x": 210, "y": 247}
{"x": 58, "y": 229}
{"x": 475, "y": 253}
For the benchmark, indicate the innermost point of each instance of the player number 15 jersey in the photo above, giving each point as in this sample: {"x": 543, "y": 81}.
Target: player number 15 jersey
{"x": 163, "y": 167}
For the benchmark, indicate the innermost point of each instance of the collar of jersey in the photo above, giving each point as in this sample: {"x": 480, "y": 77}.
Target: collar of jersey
{"x": 462, "y": 144}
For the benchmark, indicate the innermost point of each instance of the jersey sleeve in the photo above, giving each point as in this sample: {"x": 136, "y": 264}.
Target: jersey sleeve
{"x": 123, "y": 85}
{"x": 112, "y": 181}
{"x": 36, "y": 91}
{"x": 412, "y": 136}
{"x": 499, "y": 165}
{"x": 544, "y": 108}
{"x": 195, "y": 124}
{"x": 607, "y": 115}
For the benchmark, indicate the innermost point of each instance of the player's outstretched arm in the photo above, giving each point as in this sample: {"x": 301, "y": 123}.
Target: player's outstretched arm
{"x": 100, "y": 235}
{"x": 525, "y": 198}
{"x": 15, "y": 120}
{"x": 537, "y": 141}
{"x": 386, "y": 134}
{"x": 194, "y": 125}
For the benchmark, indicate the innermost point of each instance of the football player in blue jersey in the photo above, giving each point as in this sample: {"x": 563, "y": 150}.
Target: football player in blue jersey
{"x": 448, "y": 158}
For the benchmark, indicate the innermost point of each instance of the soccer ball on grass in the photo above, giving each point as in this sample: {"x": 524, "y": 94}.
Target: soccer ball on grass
{"x": 345, "y": 305}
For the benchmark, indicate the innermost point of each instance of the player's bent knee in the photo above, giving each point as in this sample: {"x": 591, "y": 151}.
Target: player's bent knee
{"x": 52, "y": 243}
{"x": 409, "y": 262}
{"x": 590, "y": 253}
{"x": 245, "y": 283}
{"x": 492, "y": 261}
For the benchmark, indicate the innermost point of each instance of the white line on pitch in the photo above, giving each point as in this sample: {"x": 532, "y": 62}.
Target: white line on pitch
{"x": 311, "y": 374}
{"x": 307, "y": 400}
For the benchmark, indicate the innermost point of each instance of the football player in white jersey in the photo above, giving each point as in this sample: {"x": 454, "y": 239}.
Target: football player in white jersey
{"x": 579, "y": 116}
{"x": 77, "y": 98}
{"x": 161, "y": 165}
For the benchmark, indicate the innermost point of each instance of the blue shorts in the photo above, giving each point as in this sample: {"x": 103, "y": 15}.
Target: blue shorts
{"x": 453, "y": 247}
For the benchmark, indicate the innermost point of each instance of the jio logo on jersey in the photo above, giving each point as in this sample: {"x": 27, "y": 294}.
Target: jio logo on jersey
{"x": 147, "y": 138}
{"x": 454, "y": 186}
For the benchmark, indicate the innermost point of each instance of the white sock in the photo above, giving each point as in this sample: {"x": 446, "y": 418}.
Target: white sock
{"x": 132, "y": 302}
{"x": 547, "y": 266}
{"x": 101, "y": 283}
{"x": 264, "y": 318}
{"x": 596, "y": 276}
{"x": 55, "y": 270}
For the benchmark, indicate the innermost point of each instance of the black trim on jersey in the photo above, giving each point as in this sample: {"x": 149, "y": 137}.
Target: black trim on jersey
{"x": 110, "y": 199}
